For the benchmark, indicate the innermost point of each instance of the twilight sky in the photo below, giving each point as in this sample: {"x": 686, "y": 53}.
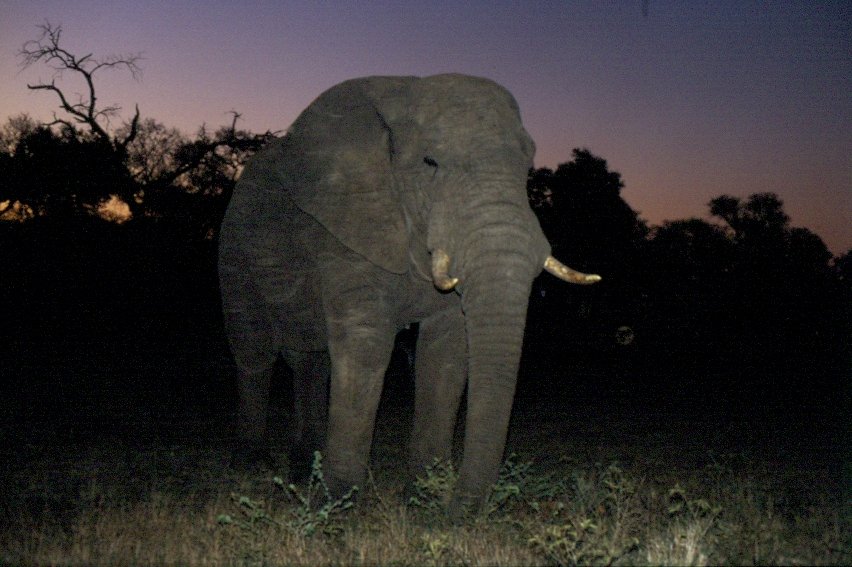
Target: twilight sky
{"x": 693, "y": 100}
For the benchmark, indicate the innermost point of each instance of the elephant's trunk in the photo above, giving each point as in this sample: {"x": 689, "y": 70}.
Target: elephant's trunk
{"x": 489, "y": 245}
{"x": 495, "y": 305}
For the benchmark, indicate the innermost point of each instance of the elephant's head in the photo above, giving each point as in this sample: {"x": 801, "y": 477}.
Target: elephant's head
{"x": 437, "y": 167}
{"x": 417, "y": 161}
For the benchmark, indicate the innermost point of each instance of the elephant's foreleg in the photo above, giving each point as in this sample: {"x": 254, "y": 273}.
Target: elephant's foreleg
{"x": 441, "y": 372}
{"x": 360, "y": 341}
{"x": 360, "y": 356}
{"x": 310, "y": 408}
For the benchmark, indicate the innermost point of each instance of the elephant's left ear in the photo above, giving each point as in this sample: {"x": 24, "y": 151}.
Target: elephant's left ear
{"x": 337, "y": 158}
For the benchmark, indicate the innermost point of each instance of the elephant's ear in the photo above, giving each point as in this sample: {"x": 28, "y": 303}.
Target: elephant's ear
{"x": 337, "y": 168}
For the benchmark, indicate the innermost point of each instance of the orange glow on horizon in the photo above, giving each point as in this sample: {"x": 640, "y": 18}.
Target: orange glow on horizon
{"x": 114, "y": 210}
{"x": 15, "y": 212}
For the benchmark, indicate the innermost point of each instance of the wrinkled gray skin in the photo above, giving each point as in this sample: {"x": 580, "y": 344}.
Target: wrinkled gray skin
{"x": 326, "y": 253}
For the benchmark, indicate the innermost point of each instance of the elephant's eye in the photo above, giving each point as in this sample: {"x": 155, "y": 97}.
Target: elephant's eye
{"x": 430, "y": 162}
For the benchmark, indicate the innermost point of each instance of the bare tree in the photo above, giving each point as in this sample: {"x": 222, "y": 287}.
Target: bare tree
{"x": 47, "y": 49}
{"x": 158, "y": 159}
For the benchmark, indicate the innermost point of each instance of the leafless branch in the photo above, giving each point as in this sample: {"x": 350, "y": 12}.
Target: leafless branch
{"x": 237, "y": 116}
{"x": 47, "y": 49}
{"x": 134, "y": 129}
{"x": 57, "y": 120}
{"x": 218, "y": 151}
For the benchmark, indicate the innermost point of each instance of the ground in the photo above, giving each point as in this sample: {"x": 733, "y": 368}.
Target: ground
{"x": 619, "y": 478}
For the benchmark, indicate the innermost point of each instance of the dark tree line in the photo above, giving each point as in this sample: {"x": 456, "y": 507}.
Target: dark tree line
{"x": 107, "y": 236}
{"x": 76, "y": 163}
{"x": 743, "y": 295}
{"x": 53, "y": 173}
{"x": 747, "y": 249}
{"x": 107, "y": 241}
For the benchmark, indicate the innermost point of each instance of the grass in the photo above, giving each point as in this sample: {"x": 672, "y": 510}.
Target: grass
{"x": 578, "y": 489}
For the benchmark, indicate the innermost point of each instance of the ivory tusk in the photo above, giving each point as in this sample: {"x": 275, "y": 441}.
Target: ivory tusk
{"x": 567, "y": 274}
{"x": 440, "y": 266}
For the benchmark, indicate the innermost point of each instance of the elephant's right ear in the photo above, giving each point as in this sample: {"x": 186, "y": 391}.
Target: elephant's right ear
{"x": 336, "y": 166}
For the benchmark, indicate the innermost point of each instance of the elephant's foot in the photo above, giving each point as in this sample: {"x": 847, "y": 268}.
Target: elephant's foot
{"x": 339, "y": 490}
{"x": 339, "y": 485}
{"x": 465, "y": 506}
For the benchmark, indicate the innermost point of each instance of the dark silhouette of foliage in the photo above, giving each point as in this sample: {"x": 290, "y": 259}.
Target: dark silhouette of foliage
{"x": 151, "y": 154}
{"x": 189, "y": 181}
{"x": 583, "y": 214}
{"x": 64, "y": 173}
{"x": 750, "y": 295}
{"x": 80, "y": 291}
{"x": 843, "y": 269}
{"x": 761, "y": 217}
{"x": 691, "y": 262}
{"x": 770, "y": 253}
{"x": 14, "y": 130}
{"x": 590, "y": 226}
{"x": 161, "y": 157}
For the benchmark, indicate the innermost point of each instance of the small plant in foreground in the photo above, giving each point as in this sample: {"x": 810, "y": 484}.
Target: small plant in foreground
{"x": 316, "y": 512}
{"x": 307, "y": 518}
{"x": 514, "y": 484}
{"x": 687, "y": 538}
{"x": 598, "y": 525}
{"x": 436, "y": 548}
{"x": 253, "y": 521}
{"x": 432, "y": 490}
{"x": 253, "y": 515}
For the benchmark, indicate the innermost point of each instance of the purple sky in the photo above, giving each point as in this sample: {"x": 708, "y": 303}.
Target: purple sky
{"x": 694, "y": 100}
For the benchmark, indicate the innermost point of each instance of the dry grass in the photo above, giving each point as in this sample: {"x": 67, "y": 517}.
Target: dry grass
{"x": 614, "y": 493}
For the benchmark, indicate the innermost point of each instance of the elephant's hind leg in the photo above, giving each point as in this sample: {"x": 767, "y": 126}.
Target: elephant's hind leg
{"x": 252, "y": 447}
{"x": 310, "y": 408}
{"x": 254, "y": 344}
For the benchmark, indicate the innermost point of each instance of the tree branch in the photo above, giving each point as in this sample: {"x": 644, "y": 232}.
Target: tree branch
{"x": 47, "y": 49}
{"x": 134, "y": 130}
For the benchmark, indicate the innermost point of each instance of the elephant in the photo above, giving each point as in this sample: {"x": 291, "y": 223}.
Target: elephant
{"x": 390, "y": 200}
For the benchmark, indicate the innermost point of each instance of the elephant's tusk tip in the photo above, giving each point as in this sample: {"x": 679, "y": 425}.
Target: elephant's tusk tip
{"x": 440, "y": 267}
{"x": 563, "y": 272}
{"x": 446, "y": 284}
